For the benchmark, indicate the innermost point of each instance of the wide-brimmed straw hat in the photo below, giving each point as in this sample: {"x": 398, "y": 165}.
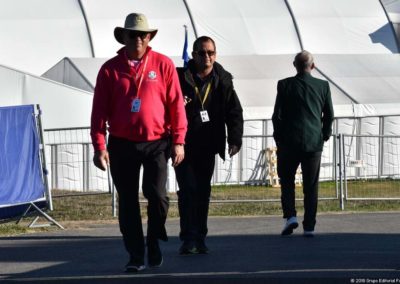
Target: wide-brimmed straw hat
{"x": 134, "y": 22}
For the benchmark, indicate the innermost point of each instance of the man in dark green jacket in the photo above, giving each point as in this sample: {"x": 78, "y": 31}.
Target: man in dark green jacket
{"x": 211, "y": 106}
{"x": 302, "y": 120}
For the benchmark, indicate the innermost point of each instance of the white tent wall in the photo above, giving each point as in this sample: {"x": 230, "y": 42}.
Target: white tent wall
{"x": 35, "y": 34}
{"x": 343, "y": 27}
{"x": 11, "y": 86}
{"x": 62, "y": 106}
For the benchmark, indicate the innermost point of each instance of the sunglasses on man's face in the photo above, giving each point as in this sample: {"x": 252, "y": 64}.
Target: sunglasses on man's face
{"x": 135, "y": 34}
{"x": 204, "y": 52}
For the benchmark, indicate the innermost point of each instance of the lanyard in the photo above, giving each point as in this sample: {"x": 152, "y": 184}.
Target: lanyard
{"x": 205, "y": 94}
{"x": 138, "y": 84}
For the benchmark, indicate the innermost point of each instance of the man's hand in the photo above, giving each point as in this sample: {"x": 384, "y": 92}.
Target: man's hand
{"x": 178, "y": 154}
{"x": 233, "y": 149}
{"x": 101, "y": 159}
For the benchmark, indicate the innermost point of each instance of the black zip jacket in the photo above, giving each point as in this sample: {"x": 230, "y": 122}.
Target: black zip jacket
{"x": 223, "y": 109}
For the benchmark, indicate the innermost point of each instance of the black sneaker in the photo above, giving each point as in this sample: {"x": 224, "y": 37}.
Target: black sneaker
{"x": 134, "y": 266}
{"x": 290, "y": 225}
{"x": 154, "y": 255}
{"x": 188, "y": 248}
{"x": 201, "y": 247}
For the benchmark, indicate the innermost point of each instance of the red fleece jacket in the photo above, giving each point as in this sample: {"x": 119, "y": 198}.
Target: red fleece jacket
{"x": 161, "y": 113}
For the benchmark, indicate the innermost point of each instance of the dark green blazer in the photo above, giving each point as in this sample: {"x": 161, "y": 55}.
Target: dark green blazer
{"x": 303, "y": 113}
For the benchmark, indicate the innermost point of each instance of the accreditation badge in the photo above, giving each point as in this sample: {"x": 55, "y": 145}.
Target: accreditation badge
{"x": 204, "y": 116}
{"x": 136, "y": 105}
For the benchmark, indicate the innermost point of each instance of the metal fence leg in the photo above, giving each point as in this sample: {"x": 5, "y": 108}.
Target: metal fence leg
{"x": 340, "y": 166}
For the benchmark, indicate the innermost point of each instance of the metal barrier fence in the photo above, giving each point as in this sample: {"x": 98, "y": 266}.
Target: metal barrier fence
{"x": 69, "y": 162}
{"x": 353, "y": 167}
{"x": 370, "y": 167}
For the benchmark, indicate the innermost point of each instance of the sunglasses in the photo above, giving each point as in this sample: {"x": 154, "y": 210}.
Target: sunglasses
{"x": 204, "y": 52}
{"x": 135, "y": 34}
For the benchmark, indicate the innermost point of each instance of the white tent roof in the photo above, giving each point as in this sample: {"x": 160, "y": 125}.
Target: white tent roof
{"x": 367, "y": 78}
{"x": 343, "y": 27}
{"x": 246, "y": 27}
{"x": 36, "y": 34}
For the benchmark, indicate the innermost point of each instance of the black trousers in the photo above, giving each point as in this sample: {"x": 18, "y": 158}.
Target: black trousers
{"x": 288, "y": 162}
{"x": 126, "y": 158}
{"x": 194, "y": 179}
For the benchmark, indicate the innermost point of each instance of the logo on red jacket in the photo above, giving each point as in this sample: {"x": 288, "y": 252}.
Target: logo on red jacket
{"x": 152, "y": 75}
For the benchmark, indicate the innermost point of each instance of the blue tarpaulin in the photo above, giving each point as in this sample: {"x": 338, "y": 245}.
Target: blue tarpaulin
{"x": 20, "y": 170}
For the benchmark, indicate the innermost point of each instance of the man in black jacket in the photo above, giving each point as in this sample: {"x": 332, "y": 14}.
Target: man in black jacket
{"x": 302, "y": 120}
{"x": 211, "y": 103}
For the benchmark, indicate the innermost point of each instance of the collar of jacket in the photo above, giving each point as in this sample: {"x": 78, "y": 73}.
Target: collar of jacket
{"x": 304, "y": 75}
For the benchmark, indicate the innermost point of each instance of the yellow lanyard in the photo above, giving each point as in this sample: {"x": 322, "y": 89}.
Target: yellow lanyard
{"x": 205, "y": 94}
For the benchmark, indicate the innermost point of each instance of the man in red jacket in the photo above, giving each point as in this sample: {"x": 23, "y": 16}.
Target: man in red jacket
{"x": 138, "y": 95}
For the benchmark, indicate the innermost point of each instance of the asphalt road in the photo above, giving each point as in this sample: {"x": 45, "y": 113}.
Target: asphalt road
{"x": 347, "y": 248}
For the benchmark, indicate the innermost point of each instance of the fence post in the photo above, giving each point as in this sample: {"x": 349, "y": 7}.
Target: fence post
{"x": 85, "y": 166}
{"x": 340, "y": 167}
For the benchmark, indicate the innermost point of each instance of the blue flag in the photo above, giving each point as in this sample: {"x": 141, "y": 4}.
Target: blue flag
{"x": 185, "y": 55}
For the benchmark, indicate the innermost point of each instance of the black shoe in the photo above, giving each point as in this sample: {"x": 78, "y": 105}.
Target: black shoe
{"x": 188, "y": 248}
{"x": 134, "y": 266}
{"x": 154, "y": 255}
{"x": 201, "y": 247}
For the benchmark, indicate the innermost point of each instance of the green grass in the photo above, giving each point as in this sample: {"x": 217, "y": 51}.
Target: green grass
{"x": 97, "y": 208}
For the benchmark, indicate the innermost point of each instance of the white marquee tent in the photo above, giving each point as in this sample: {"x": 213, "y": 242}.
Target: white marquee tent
{"x": 66, "y": 41}
{"x": 256, "y": 40}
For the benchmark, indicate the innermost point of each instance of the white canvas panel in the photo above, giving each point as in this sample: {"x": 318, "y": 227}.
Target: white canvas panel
{"x": 253, "y": 160}
{"x": 391, "y": 125}
{"x": 236, "y": 26}
{"x": 69, "y": 169}
{"x": 347, "y": 126}
{"x": 369, "y": 154}
{"x": 166, "y": 16}
{"x": 38, "y": 33}
{"x": 369, "y": 126}
{"x": 227, "y": 171}
{"x": 391, "y": 157}
{"x": 172, "y": 184}
{"x": 98, "y": 179}
{"x": 253, "y": 127}
{"x": 343, "y": 27}
{"x": 11, "y": 87}
{"x": 62, "y": 106}
{"x": 327, "y": 161}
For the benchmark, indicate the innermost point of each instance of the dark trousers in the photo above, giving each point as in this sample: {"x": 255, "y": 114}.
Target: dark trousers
{"x": 194, "y": 179}
{"x": 288, "y": 162}
{"x": 126, "y": 158}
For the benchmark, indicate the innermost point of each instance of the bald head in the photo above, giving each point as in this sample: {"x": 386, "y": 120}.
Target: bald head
{"x": 304, "y": 61}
